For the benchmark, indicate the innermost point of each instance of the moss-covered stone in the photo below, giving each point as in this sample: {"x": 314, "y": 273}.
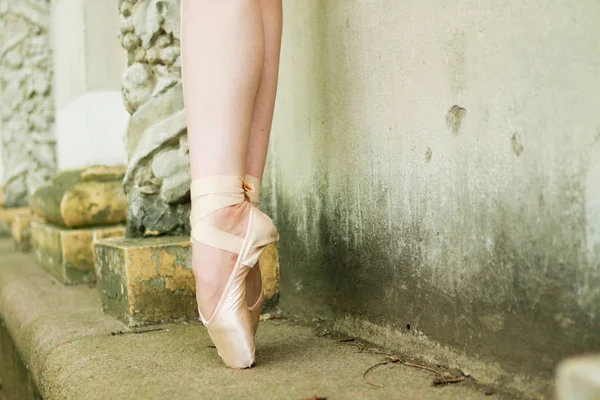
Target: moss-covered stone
{"x": 21, "y": 232}
{"x": 146, "y": 281}
{"x": 68, "y": 254}
{"x": 80, "y": 198}
{"x": 149, "y": 281}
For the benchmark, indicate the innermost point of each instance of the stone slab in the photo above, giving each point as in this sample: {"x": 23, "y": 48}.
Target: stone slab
{"x": 21, "y": 232}
{"x": 578, "y": 378}
{"x": 68, "y": 254}
{"x": 149, "y": 281}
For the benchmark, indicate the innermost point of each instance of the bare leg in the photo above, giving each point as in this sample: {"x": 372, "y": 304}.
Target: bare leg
{"x": 264, "y": 105}
{"x": 262, "y": 116}
{"x": 223, "y": 55}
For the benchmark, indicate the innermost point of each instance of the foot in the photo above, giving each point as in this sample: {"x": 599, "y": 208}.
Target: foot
{"x": 212, "y": 267}
{"x": 224, "y": 224}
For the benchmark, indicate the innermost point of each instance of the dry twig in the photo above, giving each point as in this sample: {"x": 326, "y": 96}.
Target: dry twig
{"x": 445, "y": 381}
{"x": 370, "y": 369}
{"x": 137, "y": 331}
{"x": 409, "y": 364}
{"x": 442, "y": 380}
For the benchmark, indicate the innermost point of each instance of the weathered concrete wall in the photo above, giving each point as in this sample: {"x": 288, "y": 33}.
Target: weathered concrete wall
{"x": 436, "y": 166}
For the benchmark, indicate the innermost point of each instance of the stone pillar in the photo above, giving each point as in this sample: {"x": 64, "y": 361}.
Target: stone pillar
{"x": 88, "y": 63}
{"x": 157, "y": 180}
{"x": 27, "y": 112}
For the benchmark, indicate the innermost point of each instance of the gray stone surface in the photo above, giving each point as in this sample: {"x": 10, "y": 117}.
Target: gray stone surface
{"x": 72, "y": 351}
{"x": 27, "y": 111}
{"x": 157, "y": 181}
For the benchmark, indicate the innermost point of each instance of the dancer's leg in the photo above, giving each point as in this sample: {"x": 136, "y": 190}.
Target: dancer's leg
{"x": 262, "y": 116}
{"x": 223, "y": 55}
{"x": 264, "y": 105}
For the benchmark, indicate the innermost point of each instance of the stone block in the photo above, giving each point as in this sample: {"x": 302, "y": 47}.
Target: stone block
{"x": 21, "y": 231}
{"x": 81, "y": 198}
{"x": 7, "y": 215}
{"x": 578, "y": 378}
{"x": 68, "y": 254}
{"x": 146, "y": 281}
{"x": 150, "y": 281}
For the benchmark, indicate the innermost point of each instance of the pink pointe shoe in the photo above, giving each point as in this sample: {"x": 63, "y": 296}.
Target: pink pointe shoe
{"x": 230, "y": 326}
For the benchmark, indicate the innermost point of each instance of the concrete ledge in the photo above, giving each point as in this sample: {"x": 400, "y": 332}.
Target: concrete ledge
{"x": 150, "y": 281}
{"x": 40, "y": 315}
{"x": 16, "y": 381}
{"x": 68, "y": 254}
{"x": 70, "y": 350}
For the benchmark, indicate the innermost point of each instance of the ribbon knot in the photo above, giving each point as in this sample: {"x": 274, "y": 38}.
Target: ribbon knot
{"x": 249, "y": 188}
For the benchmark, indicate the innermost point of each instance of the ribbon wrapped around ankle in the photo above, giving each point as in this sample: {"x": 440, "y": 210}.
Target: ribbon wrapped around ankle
{"x": 211, "y": 194}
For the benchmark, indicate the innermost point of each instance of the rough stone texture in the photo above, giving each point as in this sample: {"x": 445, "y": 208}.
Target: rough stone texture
{"x": 27, "y": 112}
{"x": 81, "y": 198}
{"x": 69, "y": 349}
{"x": 21, "y": 232}
{"x": 149, "y": 281}
{"x": 158, "y": 180}
{"x": 437, "y": 169}
{"x": 578, "y": 378}
{"x": 68, "y": 254}
{"x": 146, "y": 281}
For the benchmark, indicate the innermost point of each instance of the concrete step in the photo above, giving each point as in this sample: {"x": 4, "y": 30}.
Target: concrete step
{"x": 68, "y": 349}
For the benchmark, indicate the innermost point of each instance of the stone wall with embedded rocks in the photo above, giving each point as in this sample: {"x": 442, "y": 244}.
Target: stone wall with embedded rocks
{"x": 157, "y": 181}
{"x": 27, "y": 110}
